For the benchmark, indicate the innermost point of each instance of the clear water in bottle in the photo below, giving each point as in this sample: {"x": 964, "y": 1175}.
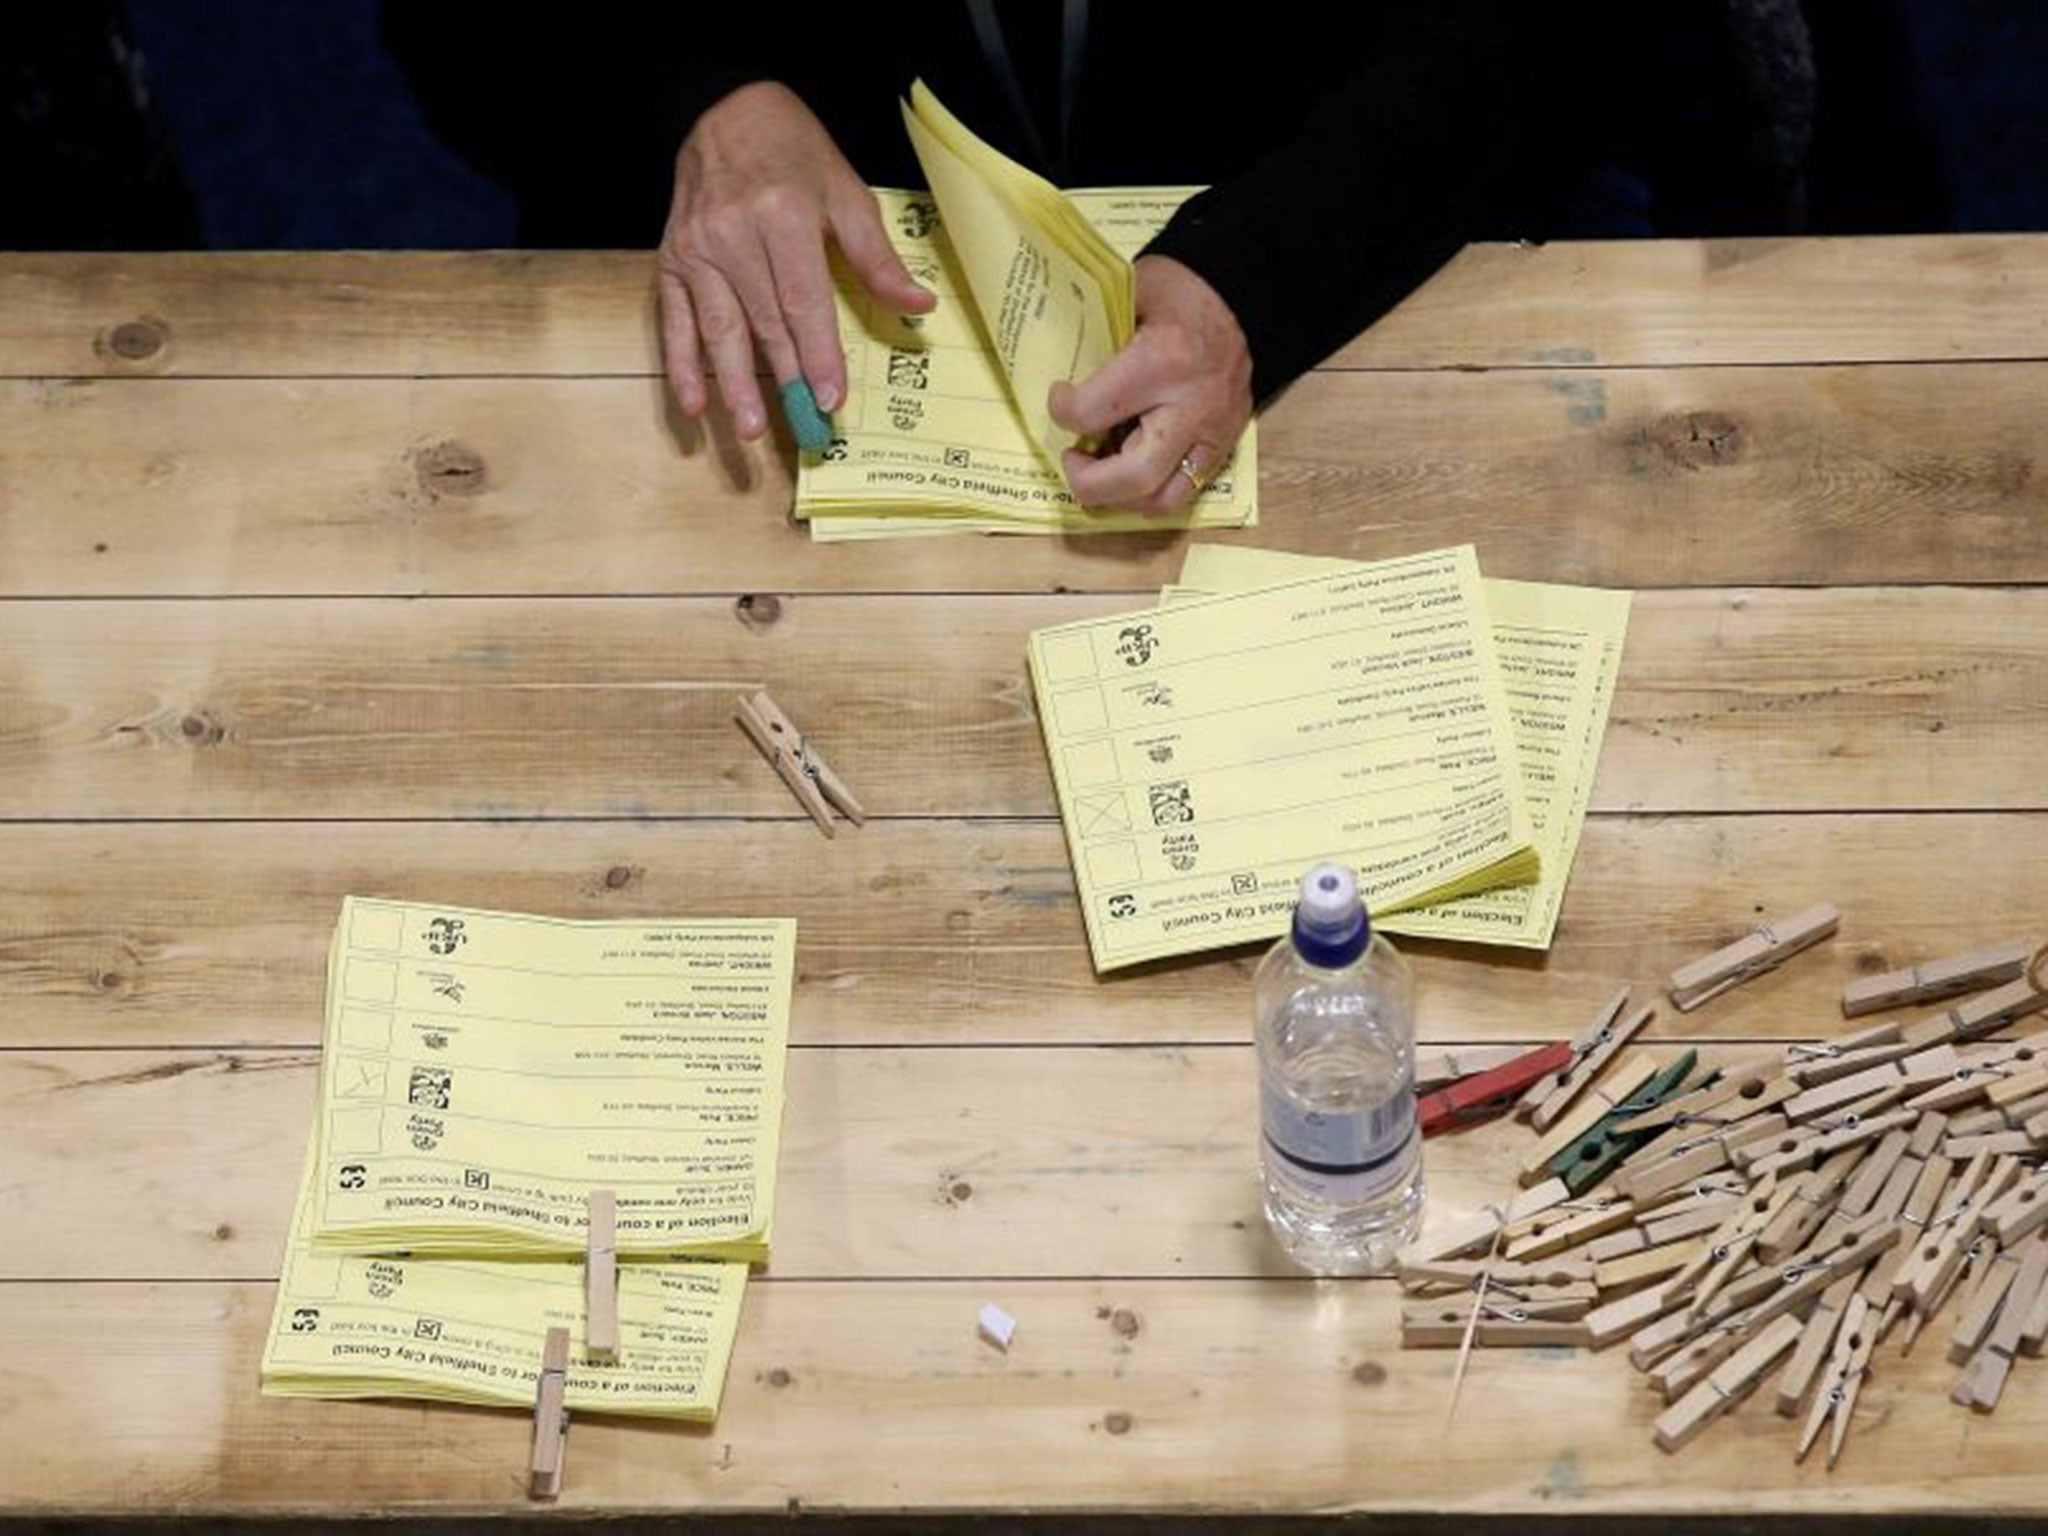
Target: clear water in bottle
{"x": 1341, "y": 1147}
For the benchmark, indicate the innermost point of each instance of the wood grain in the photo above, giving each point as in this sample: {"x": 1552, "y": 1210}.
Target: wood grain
{"x": 395, "y": 574}
{"x": 1658, "y": 477}
{"x": 1120, "y": 1395}
{"x": 301, "y": 314}
{"x": 913, "y": 933}
{"x": 1637, "y": 302}
{"x": 1850, "y": 699}
{"x": 895, "y": 1164}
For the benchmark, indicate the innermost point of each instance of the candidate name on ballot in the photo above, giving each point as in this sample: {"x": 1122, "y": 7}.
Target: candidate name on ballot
{"x": 484, "y": 1072}
{"x": 1207, "y": 752}
{"x": 1559, "y": 649}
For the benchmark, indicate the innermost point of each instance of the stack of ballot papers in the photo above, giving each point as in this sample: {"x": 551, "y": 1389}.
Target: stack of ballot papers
{"x": 1436, "y": 730}
{"x": 945, "y": 428}
{"x": 481, "y": 1075}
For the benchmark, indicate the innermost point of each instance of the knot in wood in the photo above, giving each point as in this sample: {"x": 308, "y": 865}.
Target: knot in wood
{"x": 136, "y": 341}
{"x": 1699, "y": 439}
{"x": 202, "y": 730}
{"x": 757, "y": 610}
{"x": 450, "y": 468}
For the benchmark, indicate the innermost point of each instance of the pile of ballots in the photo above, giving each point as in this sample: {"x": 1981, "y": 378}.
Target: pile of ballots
{"x": 1435, "y": 730}
{"x": 482, "y": 1076}
{"x": 945, "y": 427}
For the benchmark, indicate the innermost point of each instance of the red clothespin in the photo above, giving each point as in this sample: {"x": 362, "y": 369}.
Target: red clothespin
{"x": 1484, "y": 1093}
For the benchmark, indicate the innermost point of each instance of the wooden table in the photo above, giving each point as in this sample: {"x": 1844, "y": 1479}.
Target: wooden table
{"x": 393, "y": 574}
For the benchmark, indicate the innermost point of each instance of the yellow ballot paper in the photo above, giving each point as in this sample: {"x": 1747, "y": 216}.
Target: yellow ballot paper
{"x": 1055, "y": 300}
{"x": 471, "y": 1331}
{"x": 484, "y": 1072}
{"x": 945, "y": 427}
{"x": 1205, "y": 754}
{"x": 1559, "y": 649}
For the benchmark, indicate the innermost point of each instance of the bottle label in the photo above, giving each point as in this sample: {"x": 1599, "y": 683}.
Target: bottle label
{"x": 1341, "y": 1157}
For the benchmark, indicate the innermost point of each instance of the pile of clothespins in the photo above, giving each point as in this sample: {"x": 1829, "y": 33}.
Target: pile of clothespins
{"x": 1791, "y": 1211}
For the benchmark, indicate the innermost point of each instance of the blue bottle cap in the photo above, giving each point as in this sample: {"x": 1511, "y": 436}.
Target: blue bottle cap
{"x": 1330, "y": 925}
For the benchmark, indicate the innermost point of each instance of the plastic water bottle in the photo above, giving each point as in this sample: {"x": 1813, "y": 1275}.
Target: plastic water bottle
{"x": 1341, "y": 1149}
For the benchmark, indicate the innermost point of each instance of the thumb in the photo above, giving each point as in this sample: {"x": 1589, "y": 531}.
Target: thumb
{"x": 857, "y": 228}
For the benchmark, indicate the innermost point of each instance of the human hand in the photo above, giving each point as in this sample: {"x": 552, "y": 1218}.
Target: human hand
{"x": 1186, "y": 376}
{"x": 759, "y": 186}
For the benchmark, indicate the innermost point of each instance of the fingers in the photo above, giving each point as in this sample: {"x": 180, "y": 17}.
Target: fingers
{"x": 753, "y": 280}
{"x": 722, "y": 324}
{"x": 1129, "y": 384}
{"x": 857, "y": 226}
{"x": 803, "y": 291}
{"x": 1144, "y": 473}
{"x": 679, "y": 345}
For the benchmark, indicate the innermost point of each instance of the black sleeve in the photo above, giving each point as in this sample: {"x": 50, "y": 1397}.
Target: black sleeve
{"x": 1436, "y": 137}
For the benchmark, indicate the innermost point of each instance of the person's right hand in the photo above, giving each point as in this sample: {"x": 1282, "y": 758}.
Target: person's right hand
{"x": 759, "y": 186}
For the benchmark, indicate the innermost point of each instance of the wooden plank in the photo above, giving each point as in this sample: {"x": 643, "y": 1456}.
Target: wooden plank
{"x": 1117, "y": 1395}
{"x": 1768, "y": 300}
{"x": 301, "y": 314}
{"x": 1613, "y": 303}
{"x": 919, "y": 933}
{"x": 1862, "y": 699}
{"x": 1660, "y": 477}
{"x": 904, "y": 1164}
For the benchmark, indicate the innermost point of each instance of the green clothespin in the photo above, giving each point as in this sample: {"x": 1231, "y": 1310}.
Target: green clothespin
{"x": 1601, "y": 1150}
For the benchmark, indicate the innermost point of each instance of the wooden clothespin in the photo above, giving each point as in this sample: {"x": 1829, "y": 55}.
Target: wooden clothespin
{"x": 1566, "y": 1225}
{"x": 1469, "y": 1234}
{"x": 1937, "y": 979}
{"x": 1587, "y": 1040}
{"x": 1599, "y": 1100}
{"x": 1586, "y": 1066}
{"x": 1617, "y": 1276}
{"x": 1986, "y": 1013}
{"x": 1684, "y": 1155}
{"x": 816, "y": 787}
{"x": 1983, "y": 1380}
{"x": 1819, "y": 1196}
{"x": 1484, "y": 1093}
{"x": 1890, "y": 1078}
{"x": 1464, "y": 1274}
{"x": 1816, "y": 1340}
{"x": 550, "y": 1417}
{"x": 1732, "y": 1094}
{"x": 601, "y": 1278}
{"x": 1603, "y": 1148}
{"x": 1763, "y": 948}
{"x": 1729, "y": 1382}
{"x": 1447, "y": 1325}
{"x": 1846, "y": 1370}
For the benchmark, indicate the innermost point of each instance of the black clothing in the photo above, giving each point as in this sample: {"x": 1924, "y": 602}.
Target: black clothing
{"x": 1349, "y": 150}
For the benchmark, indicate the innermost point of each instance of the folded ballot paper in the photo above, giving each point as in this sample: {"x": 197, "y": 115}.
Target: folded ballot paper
{"x": 481, "y": 1074}
{"x": 1206, "y": 752}
{"x": 945, "y": 427}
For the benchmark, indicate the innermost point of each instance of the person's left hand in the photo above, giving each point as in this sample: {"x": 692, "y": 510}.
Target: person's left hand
{"x": 1186, "y": 379}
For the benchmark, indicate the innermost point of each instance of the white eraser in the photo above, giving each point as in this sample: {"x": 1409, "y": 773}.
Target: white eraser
{"x": 997, "y": 1326}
